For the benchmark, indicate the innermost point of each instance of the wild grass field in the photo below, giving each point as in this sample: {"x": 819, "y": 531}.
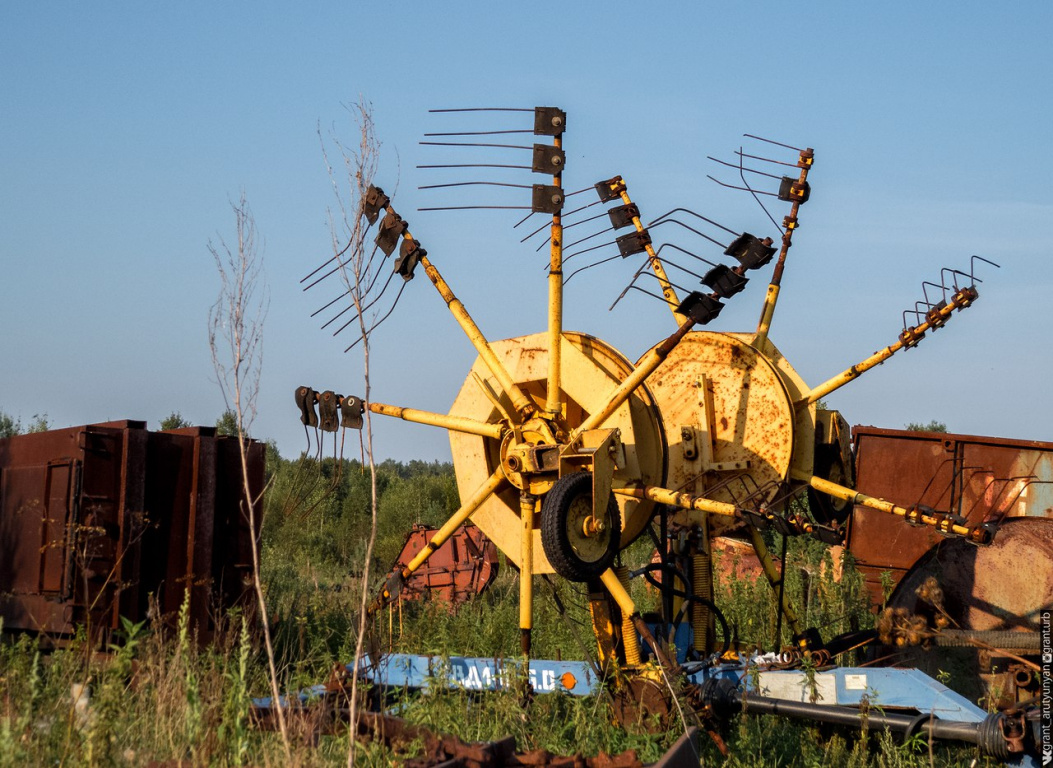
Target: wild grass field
{"x": 159, "y": 697}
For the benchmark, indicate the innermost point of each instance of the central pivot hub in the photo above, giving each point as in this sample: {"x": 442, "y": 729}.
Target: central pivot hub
{"x": 530, "y": 456}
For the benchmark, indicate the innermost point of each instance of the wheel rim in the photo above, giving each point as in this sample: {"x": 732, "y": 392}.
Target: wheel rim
{"x": 588, "y": 548}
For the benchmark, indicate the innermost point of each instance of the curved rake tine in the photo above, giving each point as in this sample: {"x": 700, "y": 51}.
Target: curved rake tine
{"x": 689, "y": 228}
{"x": 684, "y": 250}
{"x": 578, "y": 242}
{"x": 742, "y": 175}
{"x": 972, "y": 265}
{"x": 696, "y": 215}
{"x": 740, "y": 166}
{"x": 942, "y": 288}
{"x": 590, "y": 266}
{"x": 375, "y": 325}
{"x": 368, "y": 306}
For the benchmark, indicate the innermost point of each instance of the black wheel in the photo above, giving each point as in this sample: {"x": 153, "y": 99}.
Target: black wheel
{"x": 830, "y": 466}
{"x": 578, "y": 546}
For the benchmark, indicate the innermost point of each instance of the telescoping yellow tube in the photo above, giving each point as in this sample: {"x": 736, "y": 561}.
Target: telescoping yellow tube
{"x": 679, "y": 499}
{"x": 668, "y": 292}
{"x": 452, "y": 423}
{"x": 482, "y": 493}
{"x": 978, "y": 535}
{"x": 961, "y": 300}
{"x": 553, "y": 399}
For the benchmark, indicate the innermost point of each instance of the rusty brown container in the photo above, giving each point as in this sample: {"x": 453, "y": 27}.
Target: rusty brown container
{"x": 982, "y": 479}
{"x": 464, "y": 566}
{"x": 111, "y": 520}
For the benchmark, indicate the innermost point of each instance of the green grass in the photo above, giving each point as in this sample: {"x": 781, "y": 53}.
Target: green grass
{"x": 161, "y": 697}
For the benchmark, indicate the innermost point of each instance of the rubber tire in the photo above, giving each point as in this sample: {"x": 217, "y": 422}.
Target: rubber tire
{"x": 561, "y": 555}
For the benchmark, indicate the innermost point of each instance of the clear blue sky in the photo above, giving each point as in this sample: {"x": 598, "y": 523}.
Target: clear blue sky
{"x": 126, "y": 128}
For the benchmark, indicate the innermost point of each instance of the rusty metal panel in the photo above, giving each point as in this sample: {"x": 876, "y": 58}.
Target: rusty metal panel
{"x": 983, "y": 479}
{"x": 109, "y": 520}
{"x": 461, "y": 568}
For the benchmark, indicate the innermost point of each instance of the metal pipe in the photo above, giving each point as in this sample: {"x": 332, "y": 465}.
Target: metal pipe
{"x": 618, "y": 591}
{"x": 807, "y": 156}
{"x": 452, "y": 423}
{"x": 656, "y": 265}
{"x": 623, "y": 391}
{"x": 977, "y": 534}
{"x": 553, "y": 399}
{"x": 680, "y": 499}
{"x": 959, "y": 301}
{"x": 459, "y": 517}
{"x": 527, "y": 506}
{"x": 774, "y": 578}
{"x": 523, "y": 404}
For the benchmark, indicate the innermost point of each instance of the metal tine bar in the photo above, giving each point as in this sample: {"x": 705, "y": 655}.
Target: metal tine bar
{"x": 586, "y": 250}
{"x": 483, "y": 109}
{"x": 376, "y": 273}
{"x": 381, "y": 320}
{"x": 475, "y": 207}
{"x": 684, "y": 250}
{"x": 696, "y": 215}
{"x": 743, "y": 189}
{"x": 478, "y": 183}
{"x": 366, "y": 307}
{"x": 645, "y": 273}
{"x": 972, "y": 265}
{"x": 582, "y": 240}
{"x": 752, "y": 192}
{"x": 532, "y": 212}
{"x": 767, "y": 159}
{"x": 954, "y": 278}
{"x": 364, "y": 293}
{"x": 627, "y": 287}
{"x": 585, "y": 221}
{"x": 590, "y": 266}
{"x": 565, "y": 215}
{"x": 337, "y": 268}
{"x": 910, "y": 311}
{"x": 641, "y": 290}
{"x": 480, "y": 133}
{"x": 578, "y": 192}
{"x": 335, "y": 256}
{"x": 692, "y": 229}
{"x": 331, "y": 303}
{"x": 471, "y": 144}
{"x": 566, "y": 226}
{"x": 776, "y": 143}
{"x": 682, "y": 269}
{"x": 741, "y": 168}
{"x": 943, "y": 288}
{"x": 474, "y": 165}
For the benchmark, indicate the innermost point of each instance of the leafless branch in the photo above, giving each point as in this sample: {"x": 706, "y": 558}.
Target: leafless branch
{"x": 235, "y": 337}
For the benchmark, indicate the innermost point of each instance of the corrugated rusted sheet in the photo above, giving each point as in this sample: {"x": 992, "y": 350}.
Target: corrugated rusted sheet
{"x": 984, "y": 479}
{"x": 461, "y": 568}
{"x": 110, "y": 520}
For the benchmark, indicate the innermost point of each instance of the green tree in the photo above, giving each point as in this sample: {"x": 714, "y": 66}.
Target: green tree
{"x": 39, "y": 423}
{"x": 932, "y": 426}
{"x": 227, "y": 424}
{"x": 9, "y": 427}
{"x": 174, "y": 420}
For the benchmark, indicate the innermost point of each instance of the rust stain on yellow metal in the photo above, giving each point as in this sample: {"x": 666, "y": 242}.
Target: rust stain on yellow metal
{"x": 727, "y": 414}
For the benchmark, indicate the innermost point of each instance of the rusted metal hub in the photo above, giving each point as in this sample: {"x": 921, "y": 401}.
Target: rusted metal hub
{"x": 643, "y": 705}
{"x": 529, "y": 454}
{"x": 529, "y": 457}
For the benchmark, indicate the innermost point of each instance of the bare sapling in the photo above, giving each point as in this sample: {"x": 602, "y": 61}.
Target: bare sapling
{"x": 235, "y": 336}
